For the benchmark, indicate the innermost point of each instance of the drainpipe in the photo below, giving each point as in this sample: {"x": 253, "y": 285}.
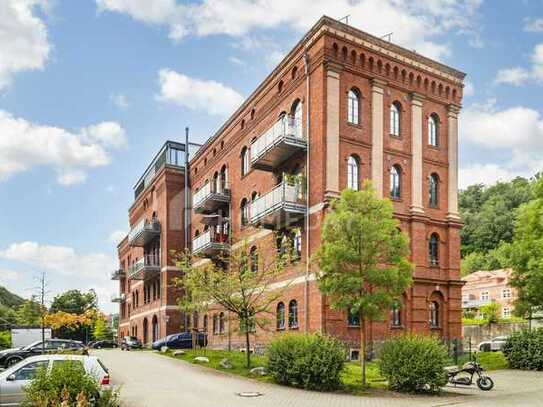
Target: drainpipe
{"x": 307, "y": 223}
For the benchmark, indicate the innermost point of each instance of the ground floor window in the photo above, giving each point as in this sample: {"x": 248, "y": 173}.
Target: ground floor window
{"x": 280, "y": 315}
{"x": 434, "y": 314}
{"x": 293, "y": 314}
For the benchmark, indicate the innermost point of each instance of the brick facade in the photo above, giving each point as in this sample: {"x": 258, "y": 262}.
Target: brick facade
{"x": 331, "y": 59}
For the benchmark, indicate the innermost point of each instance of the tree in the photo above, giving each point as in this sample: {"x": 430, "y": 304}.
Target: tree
{"x": 527, "y": 255}
{"x": 363, "y": 258}
{"x": 230, "y": 283}
{"x": 497, "y": 258}
{"x": 30, "y": 313}
{"x": 77, "y": 303}
{"x": 101, "y": 331}
{"x": 489, "y": 313}
{"x": 69, "y": 321}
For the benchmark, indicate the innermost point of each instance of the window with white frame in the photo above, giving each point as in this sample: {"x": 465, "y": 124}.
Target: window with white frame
{"x": 352, "y": 173}
{"x": 395, "y": 119}
{"x": 506, "y": 312}
{"x": 353, "y": 107}
{"x": 506, "y": 293}
{"x": 484, "y": 296}
{"x": 433, "y": 130}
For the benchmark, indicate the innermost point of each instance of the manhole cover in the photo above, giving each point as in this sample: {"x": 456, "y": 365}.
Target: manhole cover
{"x": 249, "y": 394}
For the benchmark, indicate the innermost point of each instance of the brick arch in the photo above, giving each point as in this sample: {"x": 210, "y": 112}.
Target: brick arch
{"x": 440, "y": 89}
{"x": 353, "y": 57}
{"x": 396, "y": 72}
{"x": 387, "y": 69}
{"x": 371, "y": 63}
{"x": 433, "y": 87}
{"x": 344, "y": 52}
{"x": 362, "y": 59}
{"x": 447, "y": 91}
{"x": 426, "y": 83}
{"x": 335, "y": 47}
{"x": 454, "y": 94}
{"x": 379, "y": 66}
{"x": 404, "y": 75}
{"x": 411, "y": 78}
{"x": 419, "y": 81}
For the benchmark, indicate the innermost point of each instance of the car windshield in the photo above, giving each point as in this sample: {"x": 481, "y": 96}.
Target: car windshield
{"x": 32, "y": 345}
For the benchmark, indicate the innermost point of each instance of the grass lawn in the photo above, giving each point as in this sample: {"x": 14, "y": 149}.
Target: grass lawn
{"x": 351, "y": 376}
{"x": 488, "y": 360}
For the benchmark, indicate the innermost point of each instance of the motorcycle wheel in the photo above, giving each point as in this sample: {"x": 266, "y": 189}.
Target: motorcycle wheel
{"x": 485, "y": 383}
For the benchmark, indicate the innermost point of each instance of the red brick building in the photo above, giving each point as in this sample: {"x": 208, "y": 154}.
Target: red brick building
{"x": 147, "y": 300}
{"x": 343, "y": 106}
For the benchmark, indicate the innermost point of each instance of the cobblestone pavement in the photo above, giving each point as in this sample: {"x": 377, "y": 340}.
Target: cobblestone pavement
{"x": 150, "y": 380}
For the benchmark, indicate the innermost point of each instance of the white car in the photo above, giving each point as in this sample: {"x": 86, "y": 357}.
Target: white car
{"x": 493, "y": 345}
{"x": 15, "y": 378}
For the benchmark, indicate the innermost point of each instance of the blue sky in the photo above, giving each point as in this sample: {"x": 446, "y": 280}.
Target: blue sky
{"x": 90, "y": 89}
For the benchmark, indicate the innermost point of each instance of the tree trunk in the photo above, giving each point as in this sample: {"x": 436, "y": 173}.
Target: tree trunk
{"x": 248, "y": 347}
{"x": 363, "y": 350}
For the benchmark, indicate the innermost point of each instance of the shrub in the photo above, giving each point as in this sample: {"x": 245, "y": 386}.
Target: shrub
{"x": 524, "y": 349}
{"x": 5, "y": 339}
{"x": 413, "y": 363}
{"x": 67, "y": 384}
{"x": 312, "y": 362}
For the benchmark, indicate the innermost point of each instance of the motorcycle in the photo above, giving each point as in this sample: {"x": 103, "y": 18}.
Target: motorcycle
{"x": 464, "y": 376}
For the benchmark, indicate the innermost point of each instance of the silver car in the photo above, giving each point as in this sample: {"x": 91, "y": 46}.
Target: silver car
{"x": 15, "y": 378}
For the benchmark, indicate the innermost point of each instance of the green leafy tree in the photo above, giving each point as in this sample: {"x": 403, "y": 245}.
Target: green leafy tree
{"x": 30, "y": 313}
{"x": 101, "y": 331}
{"x": 490, "y": 313}
{"x": 231, "y": 283}
{"x": 78, "y": 303}
{"x": 494, "y": 259}
{"x": 363, "y": 259}
{"x": 527, "y": 255}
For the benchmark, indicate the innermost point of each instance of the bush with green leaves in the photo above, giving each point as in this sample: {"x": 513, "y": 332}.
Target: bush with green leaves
{"x": 414, "y": 364}
{"x": 5, "y": 339}
{"x": 67, "y": 384}
{"x": 312, "y": 362}
{"x": 524, "y": 349}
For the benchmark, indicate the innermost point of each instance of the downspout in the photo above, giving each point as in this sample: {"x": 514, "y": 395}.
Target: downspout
{"x": 307, "y": 223}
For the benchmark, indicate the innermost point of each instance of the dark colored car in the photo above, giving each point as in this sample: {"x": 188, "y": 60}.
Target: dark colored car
{"x": 130, "y": 342}
{"x": 181, "y": 340}
{"x": 9, "y": 357}
{"x": 106, "y": 344}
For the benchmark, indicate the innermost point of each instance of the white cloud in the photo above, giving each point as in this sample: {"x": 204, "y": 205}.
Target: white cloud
{"x": 120, "y": 100}
{"x": 533, "y": 24}
{"x": 59, "y": 260}
{"x": 415, "y": 24}
{"x": 117, "y": 236}
{"x": 469, "y": 89}
{"x": 24, "y": 145}
{"x": 6, "y": 275}
{"x": 197, "y": 94}
{"x": 512, "y": 76}
{"x": 519, "y": 76}
{"x": 236, "y": 61}
{"x": 23, "y": 38}
{"x": 515, "y": 133}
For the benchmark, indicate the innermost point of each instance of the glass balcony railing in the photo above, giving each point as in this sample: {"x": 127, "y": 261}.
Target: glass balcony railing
{"x": 211, "y": 197}
{"x": 145, "y": 267}
{"x": 282, "y": 206}
{"x": 143, "y": 232}
{"x": 210, "y": 243}
{"x": 281, "y": 141}
{"x": 117, "y": 274}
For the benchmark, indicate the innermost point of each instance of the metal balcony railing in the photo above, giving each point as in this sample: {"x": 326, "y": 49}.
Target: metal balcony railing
{"x": 117, "y": 274}
{"x": 210, "y": 243}
{"x": 283, "y": 205}
{"x": 143, "y": 232}
{"x": 144, "y": 267}
{"x": 278, "y": 143}
{"x": 474, "y": 303}
{"x": 211, "y": 196}
{"x": 120, "y": 297}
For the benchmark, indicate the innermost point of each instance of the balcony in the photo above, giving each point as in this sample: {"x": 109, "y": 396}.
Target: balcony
{"x": 144, "y": 232}
{"x": 284, "y": 139}
{"x": 170, "y": 155}
{"x": 281, "y": 207}
{"x": 117, "y": 274}
{"x": 211, "y": 197}
{"x": 120, "y": 297}
{"x": 146, "y": 267}
{"x": 210, "y": 244}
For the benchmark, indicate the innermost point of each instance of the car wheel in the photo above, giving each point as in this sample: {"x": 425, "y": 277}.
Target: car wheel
{"x": 10, "y": 362}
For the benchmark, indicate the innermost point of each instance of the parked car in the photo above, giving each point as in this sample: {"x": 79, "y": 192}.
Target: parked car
{"x": 9, "y": 357}
{"x": 14, "y": 379}
{"x": 130, "y": 342}
{"x": 106, "y": 344}
{"x": 494, "y": 345}
{"x": 181, "y": 340}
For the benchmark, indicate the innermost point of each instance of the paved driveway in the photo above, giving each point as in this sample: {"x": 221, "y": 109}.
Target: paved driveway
{"x": 151, "y": 380}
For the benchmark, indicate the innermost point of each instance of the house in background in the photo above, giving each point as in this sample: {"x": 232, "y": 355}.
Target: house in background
{"x": 485, "y": 287}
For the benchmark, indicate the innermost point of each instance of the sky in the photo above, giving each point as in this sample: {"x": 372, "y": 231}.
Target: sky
{"x": 90, "y": 89}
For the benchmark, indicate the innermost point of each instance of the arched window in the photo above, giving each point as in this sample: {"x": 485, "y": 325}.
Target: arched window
{"x": 293, "y": 314}
{"x": 296, "y": 114}
{"x": 433, "y": 132}
{"x": 205, "y": 323}
{"x": 224, "y": 178}
{"x": 396, "y": 314}
{"x": 353, "y": 109}
{"x": 433, "y": 249}
{"x": 395, "y": 182}
{"x": 434, "y": 314}
{"x": 433, "y": 189}
{"x": 280, "y": 316}
{"x": 244, "y": 161}
{"x": 244, "y": 208}
{"x": 353, "y": 319}
{"x": 395, "y": 119}
{"x": 352, "y": 173}
{"x": 254, "y": 259}
{"x": 297, "y": 243}
{"x": 254, "y": 196}
{"x": 221, "y": 322}
{"x": 215, "y": 324}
